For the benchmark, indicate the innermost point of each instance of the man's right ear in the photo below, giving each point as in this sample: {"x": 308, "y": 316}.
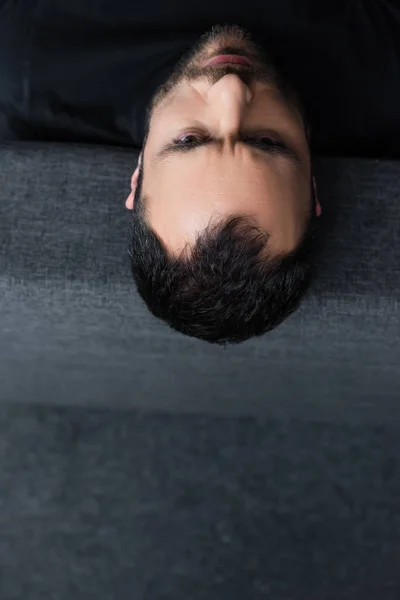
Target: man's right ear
{"x": 318, "y": 209}
{"x": 130, "y": 199}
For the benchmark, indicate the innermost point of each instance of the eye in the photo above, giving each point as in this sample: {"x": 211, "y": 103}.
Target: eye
{"x": 264, "y": 141}
{"x": 189, "y": 139}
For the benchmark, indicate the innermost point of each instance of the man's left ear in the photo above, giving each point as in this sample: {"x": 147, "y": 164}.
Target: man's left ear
{"x": 130, "y": 199}
{"x": 318, "y": 209}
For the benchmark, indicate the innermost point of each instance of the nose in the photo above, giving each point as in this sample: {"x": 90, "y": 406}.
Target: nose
{"x": 229, "y": 99}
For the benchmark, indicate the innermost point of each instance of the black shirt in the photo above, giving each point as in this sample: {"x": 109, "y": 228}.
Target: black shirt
{"x": 84, "y": 71}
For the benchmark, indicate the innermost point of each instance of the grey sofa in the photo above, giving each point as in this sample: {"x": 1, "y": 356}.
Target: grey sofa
{"x": 139, "y": 464}
{"x": 74, "y": 331}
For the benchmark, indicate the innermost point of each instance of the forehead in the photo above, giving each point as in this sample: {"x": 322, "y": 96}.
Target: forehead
{"x": 209, "y": 169}
{"x": 188, "y": 193}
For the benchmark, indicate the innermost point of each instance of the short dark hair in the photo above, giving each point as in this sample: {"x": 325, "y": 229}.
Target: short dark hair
{"x": 230, "y": 287}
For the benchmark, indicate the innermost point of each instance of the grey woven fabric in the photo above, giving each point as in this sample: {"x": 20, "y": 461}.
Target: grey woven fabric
{"x": 73, "y": 330}
{"x": 108, "y": 505}
{"x": 284, "y": 481}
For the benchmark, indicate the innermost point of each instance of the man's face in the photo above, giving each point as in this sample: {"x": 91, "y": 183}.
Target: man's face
{"x": 225, "y": 140}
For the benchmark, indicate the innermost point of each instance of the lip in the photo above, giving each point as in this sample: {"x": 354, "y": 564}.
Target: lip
{"x": 229, "y": 59}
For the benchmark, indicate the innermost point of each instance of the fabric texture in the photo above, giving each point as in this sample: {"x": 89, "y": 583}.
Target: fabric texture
{"x": 121, "y": 505}
{"x": 72, "y": 323}
{"x": 85, "y": 71}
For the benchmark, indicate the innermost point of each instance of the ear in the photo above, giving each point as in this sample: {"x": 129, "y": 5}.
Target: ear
{"x": 318, "y": 209}
{"x": 130, "y": 199}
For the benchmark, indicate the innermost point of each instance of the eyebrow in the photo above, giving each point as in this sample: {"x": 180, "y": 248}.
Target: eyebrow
{"x": 172, "y": 149}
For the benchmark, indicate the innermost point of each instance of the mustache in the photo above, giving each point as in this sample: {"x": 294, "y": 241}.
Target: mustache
{"x": 248, "y": 74}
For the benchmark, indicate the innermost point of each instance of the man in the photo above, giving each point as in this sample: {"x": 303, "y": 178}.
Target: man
{"x": 224, "y": 204}
{"x": 224, "y": 201}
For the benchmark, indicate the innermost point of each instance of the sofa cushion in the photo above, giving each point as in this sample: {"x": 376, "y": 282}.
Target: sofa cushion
{"x": 73, "y": 329}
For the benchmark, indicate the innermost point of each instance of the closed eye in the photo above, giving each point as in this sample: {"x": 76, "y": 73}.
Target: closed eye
{"x": 258, "y": 142}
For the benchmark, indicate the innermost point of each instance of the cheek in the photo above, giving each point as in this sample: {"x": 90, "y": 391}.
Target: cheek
{"x": 184, "y": 105}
